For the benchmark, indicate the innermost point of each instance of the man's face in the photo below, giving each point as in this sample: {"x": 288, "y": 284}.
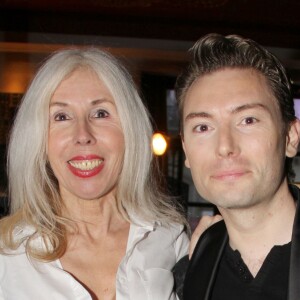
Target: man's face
{"x": 233, "y": 138}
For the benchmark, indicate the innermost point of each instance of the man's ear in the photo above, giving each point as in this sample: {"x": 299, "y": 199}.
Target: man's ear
{"x": 186, "y": 162}
{"x": 292, "y": 139}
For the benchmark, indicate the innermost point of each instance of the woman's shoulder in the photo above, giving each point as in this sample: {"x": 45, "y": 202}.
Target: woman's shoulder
{"x": 167, "y": 236}
{"x": 11, "y": 259}
{"x": 14, "y": 244}
{"x": 172, "y": 230}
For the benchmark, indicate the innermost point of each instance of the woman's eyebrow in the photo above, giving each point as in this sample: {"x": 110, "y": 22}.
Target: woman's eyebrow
{"x": 57, "y": 103}
{"x": 93, "y": 102}
{"x": 102, "y": 100}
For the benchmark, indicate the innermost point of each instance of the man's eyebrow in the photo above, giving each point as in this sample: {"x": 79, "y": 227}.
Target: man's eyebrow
{"x": 234, "y": 111}
{"x": 197, "y": 115}
{"x": 249, "y": 106}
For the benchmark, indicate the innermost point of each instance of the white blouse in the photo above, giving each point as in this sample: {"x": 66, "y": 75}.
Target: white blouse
{"x": 143, "y": 274}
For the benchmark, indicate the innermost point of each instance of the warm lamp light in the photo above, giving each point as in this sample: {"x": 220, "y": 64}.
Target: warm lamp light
{"x": 159, "y": 144}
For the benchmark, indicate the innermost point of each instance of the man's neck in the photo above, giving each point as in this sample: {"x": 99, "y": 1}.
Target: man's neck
{"x": 254, "y": 231}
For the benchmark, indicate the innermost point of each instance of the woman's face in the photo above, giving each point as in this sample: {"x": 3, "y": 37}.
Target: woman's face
{"x": 85, "y": 142}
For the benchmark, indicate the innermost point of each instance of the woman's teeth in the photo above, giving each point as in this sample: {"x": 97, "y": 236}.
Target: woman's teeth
{"x": 86, "y": 165}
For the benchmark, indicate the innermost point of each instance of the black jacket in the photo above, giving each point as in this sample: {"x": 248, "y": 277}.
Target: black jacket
{"x": 202, "y": 269}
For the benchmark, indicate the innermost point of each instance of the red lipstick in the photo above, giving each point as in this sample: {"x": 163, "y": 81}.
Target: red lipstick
{"x": 86, "y": 166}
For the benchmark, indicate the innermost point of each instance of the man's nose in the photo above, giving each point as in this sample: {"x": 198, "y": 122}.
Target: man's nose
{"x": 228, "y": 143}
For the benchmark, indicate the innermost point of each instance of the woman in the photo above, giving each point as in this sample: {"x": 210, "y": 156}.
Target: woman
{"x": 87, "y": 219}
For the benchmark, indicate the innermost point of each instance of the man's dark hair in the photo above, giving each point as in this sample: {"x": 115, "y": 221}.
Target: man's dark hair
{"x": 214, "y": 52}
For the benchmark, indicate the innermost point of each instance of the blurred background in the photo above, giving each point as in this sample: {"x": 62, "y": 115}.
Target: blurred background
{"x": 152, "y": 38}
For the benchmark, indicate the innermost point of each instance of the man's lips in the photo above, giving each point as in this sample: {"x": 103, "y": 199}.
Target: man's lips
{"x": 229, "y": 175}
{"x": 86, "y": 166}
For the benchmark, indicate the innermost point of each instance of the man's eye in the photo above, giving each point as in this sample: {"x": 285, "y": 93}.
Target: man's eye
{"x": 61, "y": 117}
{"x": 249, "y": 120}
{"x": 201, "y": 128}
{"x": 101, "y": 114}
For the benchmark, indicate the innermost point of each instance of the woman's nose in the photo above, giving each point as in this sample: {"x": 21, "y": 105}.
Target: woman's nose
{"x": 83, "y": 134}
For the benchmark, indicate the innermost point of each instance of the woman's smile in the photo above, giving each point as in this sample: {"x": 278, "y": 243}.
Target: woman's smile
{"x": 86, "y": 167}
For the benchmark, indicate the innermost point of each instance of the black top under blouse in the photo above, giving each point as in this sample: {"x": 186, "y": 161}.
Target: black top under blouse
{"x": 235, "y": 282}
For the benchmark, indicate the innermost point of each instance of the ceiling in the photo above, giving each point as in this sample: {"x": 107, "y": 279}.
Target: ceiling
{"x": 271, "y": 22}
{"x": 164, "y": 25}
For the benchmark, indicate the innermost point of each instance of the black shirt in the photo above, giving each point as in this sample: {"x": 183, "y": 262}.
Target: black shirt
{"x": 234, "y": 280}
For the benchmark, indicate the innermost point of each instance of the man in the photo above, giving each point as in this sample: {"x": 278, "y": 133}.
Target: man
{"x": 239, "y": 134}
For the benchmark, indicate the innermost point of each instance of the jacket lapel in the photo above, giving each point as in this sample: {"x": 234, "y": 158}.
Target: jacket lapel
{"x": 203, "y": 266}
{"x": 294, "y": 276}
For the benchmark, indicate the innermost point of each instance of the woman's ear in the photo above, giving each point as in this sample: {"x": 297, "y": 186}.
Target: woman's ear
{"x": 292, "y": 139}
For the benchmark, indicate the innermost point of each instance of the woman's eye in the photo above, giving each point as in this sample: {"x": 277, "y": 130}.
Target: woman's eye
{"x": 101, "y": 114}
{"x": 61, "y": 117}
